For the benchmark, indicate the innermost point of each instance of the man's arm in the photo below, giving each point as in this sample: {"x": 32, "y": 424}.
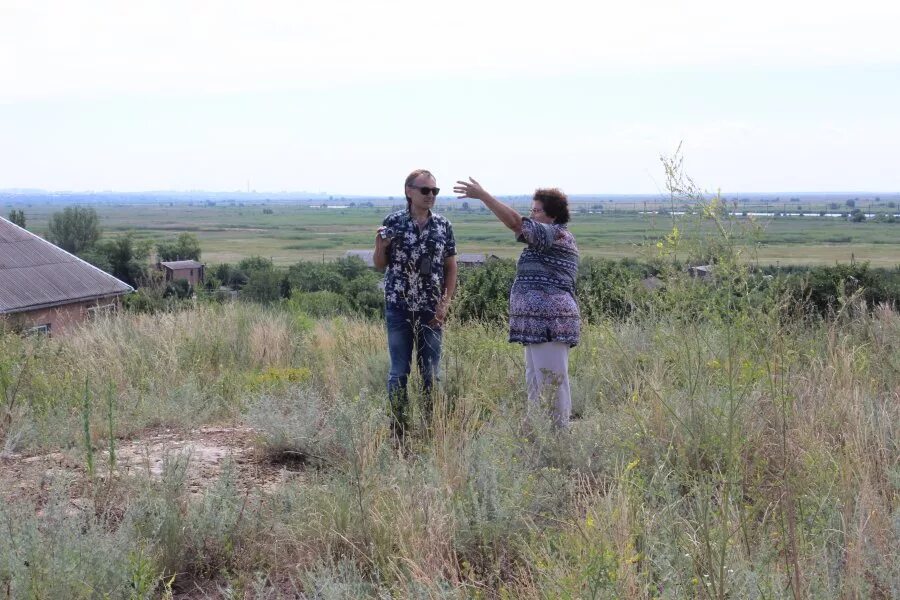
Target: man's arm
{"x": 380, "y": 258}
{"x": 450, "y": 272}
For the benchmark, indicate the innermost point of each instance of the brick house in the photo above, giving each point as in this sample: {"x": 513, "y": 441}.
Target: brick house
{"x": 191, "y": 270}
{"x": 44, "y": 288}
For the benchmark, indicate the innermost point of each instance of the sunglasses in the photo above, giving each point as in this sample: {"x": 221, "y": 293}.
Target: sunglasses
{"x": 427, "y": 190}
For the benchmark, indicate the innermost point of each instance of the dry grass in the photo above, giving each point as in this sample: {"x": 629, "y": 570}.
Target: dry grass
{"x": 714, "y": 459}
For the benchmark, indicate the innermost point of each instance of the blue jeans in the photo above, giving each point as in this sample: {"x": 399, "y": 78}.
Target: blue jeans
{"x": 406, "y": 328}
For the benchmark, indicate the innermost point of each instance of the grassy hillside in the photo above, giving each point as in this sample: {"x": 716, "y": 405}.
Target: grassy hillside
{"x": 728, "y": 455}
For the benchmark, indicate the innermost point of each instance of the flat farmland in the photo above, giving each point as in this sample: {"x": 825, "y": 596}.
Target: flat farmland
{"x": 287, "y": 233}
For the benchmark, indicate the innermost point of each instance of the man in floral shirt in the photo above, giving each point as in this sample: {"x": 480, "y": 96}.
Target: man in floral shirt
{"x": 416, "y": 249}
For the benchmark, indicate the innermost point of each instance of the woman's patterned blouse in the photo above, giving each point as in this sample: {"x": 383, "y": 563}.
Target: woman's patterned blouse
{"x": 542, "y": 305}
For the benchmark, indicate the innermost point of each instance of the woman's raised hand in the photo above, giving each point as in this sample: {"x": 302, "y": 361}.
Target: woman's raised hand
{"x": 507, "y": 214}
{"x": 470, "y": 189}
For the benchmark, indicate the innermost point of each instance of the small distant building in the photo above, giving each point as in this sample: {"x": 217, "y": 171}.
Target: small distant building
{"x": 367, "y": 256}
{"x": 45, "y": 289}
{"x": 191, "y": 270}
{"x": 474, "y": 260}
{"x": 470, "y": 260}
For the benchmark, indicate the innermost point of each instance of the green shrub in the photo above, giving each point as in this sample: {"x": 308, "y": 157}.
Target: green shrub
{"x": 824, "y": 290}
{"x": 365, "y": 296}
{"x": 180, "y": 289}
{"x": 71, "y": 553}
{"x": 305, "y": 426}
{"x": 319, "y": 304}
{"x": 484, "y": 291}
{"x": 348, "y": 277}
{"x": 316, "y": 277}
{"x": 263, "y": 286}
{"x": 612, "y": 289}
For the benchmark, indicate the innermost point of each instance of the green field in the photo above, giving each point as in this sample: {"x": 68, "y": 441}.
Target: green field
{"x": 294, "y": 232}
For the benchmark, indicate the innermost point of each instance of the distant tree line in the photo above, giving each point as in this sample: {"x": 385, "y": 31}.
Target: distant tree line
{"x": 74, "y": 229}
{"x": 621, "y": 289}
{"x": 185, "y": 247}
{"x": 345, "y": 285}
{"x": 17, "y": 217}
{"x": 617, "y": 289}
{"x": 606, "y": 289}
{"x": 77, "y": 229}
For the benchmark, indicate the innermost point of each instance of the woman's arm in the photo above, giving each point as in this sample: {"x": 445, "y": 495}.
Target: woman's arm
{"x": 506, "y": 213}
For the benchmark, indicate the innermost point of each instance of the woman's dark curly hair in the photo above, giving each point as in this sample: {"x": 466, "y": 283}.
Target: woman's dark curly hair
{"x": 555, "y": 203}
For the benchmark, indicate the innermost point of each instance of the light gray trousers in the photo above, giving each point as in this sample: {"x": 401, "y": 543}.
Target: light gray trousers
{"x": 547, "y": 379}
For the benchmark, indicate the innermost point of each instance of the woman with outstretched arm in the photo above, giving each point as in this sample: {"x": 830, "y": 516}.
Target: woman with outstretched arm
{"x": 543, "y": 311}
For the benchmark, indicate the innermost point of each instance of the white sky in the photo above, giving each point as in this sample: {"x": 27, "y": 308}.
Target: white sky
{"x": 348, "y": 96}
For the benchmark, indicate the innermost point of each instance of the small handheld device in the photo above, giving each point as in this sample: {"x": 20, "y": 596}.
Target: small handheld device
{"x": 425, "y": 264}
{"x": 386, "y": 234}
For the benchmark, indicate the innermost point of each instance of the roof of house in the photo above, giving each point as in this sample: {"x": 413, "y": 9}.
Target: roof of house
{"x": 181, "y": 264}
{"x": 471, "y": 258}
{"x": 475, "y": 258}
{"x": 367, "y": 256}
{"x": 36, "y": 274}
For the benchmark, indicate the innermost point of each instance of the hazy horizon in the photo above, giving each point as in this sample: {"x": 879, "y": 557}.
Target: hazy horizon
{"x": 884, "y": 195}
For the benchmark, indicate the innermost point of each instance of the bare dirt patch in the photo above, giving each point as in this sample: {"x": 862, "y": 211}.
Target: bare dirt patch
{"x": 208, "y": 449}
